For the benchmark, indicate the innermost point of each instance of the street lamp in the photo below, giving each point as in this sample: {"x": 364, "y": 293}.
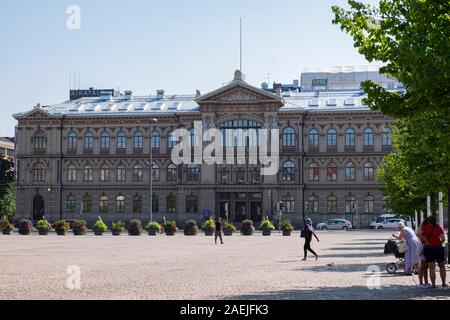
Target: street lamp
{"x": 151, "y": 121}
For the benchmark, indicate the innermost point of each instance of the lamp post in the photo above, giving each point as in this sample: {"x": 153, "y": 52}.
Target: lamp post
{"x": 151, "y": 121}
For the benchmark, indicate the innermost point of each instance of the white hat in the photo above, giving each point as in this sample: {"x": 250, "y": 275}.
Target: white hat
{"x": 400, "y": 225}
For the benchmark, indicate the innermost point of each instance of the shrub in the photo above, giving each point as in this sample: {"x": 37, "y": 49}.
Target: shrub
{"x": 80, "y": 228}
{"x": 135, "y": 227}
{"x": 190, "y": 228}
{"x": 227, "y": 226}
{"x": 99, "y": 226}
{"x": 61, "y": 227}
{"x": 247, "y": 228}
{"x": 153, "y": 227}
{"x": 209, "y": 225}
{"x": 118, "y": 227}
{"x": 6, "y": 227}
{"x": 170, "y": 227}
{"x": 43, "y": 226}
{"x": 266, "y": 225}
{"x": 286, "y": 225}
{"x": 25, "y": 227}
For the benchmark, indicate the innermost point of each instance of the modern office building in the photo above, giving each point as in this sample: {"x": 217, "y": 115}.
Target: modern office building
{"x": 90, "y": 155}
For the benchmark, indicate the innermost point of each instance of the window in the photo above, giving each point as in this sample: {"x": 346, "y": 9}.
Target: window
{"x": 104, "y": 173}
{"x": 369, "y": 172}
{"x": 288, "y": 171}
{"x": 105, "y": 141}
{"x": 121, "y": 173}
{"x": 289, "y": 137}
{"x": 332, "y": 172}
{"x": 104, "y": 204}
{"x": 191, "y": 204}
{"x": 192, "y": 172}
{"x": 255, "y": 176}
{"x": 387, "y": 205}
{"x": 349, "y": 138}
{"x": 88, "y": 140}
{"x": 155, "y": 203}
{"x": 349, "y": 172}
{"x": 313, "y": 204}
{"x": 88, "y": 173}
{"x": 120, "y": 204}
{"x": 368, "y": 204}
{"x": 155, "y": 172}
{"x": 138, "y": 140}
{"x": 314, "y": 138}
{"x": 172, "y": 172}
{"x": 289, "y": 204}
{"x": 156, "y": 140}
{"x": 87, "y": 203}
{"x": 332, "y": 138}
{"x": 137, "y": 204}
{"x": 70, "y": 204}
{"x": 240, "y": 133}
{"x": 368, "y": 137}
{"x": 171, "y": 204}
{"x": 225, "y": 176}
{"x": 39, "y": 141}
{"x": 313, "y": 172}
{"x": 71, "y": 173}
{"x": 171, "y": 140}
{"x": 72, "y": 141}
{"x": 350, "y": 204}
{"x": 240, "y": 177}
{"x": 121, "y": 140}
{"x": 387, "y": 137}
{"x": 138, "y": 173}
{"x": 193, "y": 138}
{"x": 332, "y": 205}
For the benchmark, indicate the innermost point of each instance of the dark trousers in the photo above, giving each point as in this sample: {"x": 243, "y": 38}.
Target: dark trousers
{"x": 218, "y": 234}
{"x": 307, "y": 248}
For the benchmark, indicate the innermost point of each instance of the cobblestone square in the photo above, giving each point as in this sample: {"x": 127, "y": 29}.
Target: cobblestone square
{"x": 179, "y": 267}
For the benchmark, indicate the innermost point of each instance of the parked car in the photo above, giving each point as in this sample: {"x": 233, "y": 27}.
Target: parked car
{"x": 387, "y": 224}
{"x": 335, "y": 224}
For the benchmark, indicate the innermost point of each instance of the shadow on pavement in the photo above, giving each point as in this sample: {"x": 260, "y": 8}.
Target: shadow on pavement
{"x": 348, "y": 267}
{"x": 355, "y": 248}
{"x": 354, "y": 255}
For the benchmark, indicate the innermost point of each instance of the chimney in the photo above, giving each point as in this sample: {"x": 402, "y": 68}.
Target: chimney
{"x": 160, "y": 94}
{"x": 105, "y": 95}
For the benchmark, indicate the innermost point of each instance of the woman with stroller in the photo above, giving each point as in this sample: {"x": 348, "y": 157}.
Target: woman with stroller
{"x": 411, "y": 259}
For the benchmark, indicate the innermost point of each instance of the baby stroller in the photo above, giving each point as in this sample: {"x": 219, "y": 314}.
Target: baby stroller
{"x": 398, "y": 248}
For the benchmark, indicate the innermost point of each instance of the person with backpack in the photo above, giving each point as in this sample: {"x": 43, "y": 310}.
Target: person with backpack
{"x": 308, "y": 233}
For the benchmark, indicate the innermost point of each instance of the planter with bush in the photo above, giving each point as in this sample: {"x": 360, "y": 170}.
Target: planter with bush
{"x": 117, "y": 228}
{"x": 25, "y": 227}
{"x": 61, "y": 227}
{"x": 43, "y": 227}
{"x": 170, "y": 228}
{"x": 228, "y": 228}
{"x": 247, "y": 228}
{"x": 153, "y": 228}
{"x": 266, "y": 227}
{"x": 190, "y": 228}
{"x": 208, "y": 227}
{"x": 99, "y": 227}
{"x": 135, "y": 227}
{"x": 6, "y": 227}
{"x": 287, "y": 228}
{"x": 80, "y": 228}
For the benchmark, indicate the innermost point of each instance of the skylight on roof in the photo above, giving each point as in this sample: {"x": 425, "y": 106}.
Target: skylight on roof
{"x": 108, "y": 107}
{"x": 174, "y": 106}
{"x": 125, "y": 107}
{"x": 76, "y": 108}
{"x": 332, "y": 102}
{"x": 158, "y": 106}
{"x": 349, "y": 102}
{"x": 91, "y": 107}
{"x": 140, "y": 107}
{"x": 314, "y": 103}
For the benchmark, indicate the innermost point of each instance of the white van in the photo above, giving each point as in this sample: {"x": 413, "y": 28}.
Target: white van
{"x": 388, "y": 216}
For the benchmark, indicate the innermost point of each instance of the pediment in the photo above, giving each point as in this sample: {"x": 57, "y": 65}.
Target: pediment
{"x": 35, "y": 113}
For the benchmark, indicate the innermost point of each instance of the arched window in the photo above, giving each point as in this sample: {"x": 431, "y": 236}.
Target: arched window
{"x": 289, "y": 204}
{"x": 192, "y": 172}
{"x": 104, "y": 203}
{"x": 87, "y": 203}
{"x": 350, "y": 204}
{"x": 39, "y": 141}
{"x": 105, "y": 141}
{"x": 368, "y": 137}
{"x": 314, "y": 138}
{"x": 171, "y": 140}
{"x": 332, "y": 138}
{"x": 71, "y": 173}
{"x": 289, "y": 137}
{"x": 121, "y": 173}
{"x": 156, "y": 140}
{"x": 387, "y": 137}
{"x": 104, "y": 173}
{"x": 155, "y": 172}
{"x": 155, "y": 203}
{"x": 120, "y": 204}
{"x": 88, "y": 140}
{"x": 72, "y": 141}
{"x": 369, "y": 172}
{"x": 171, "y": 204}
{"x": 349, "y": 138}
{"x": 313, "y": 172}
{"x": 332, "y": 172}
{"x": 138, "y": 140}
{"x": 332, "y": 205}
{"x": 288, "y": 171}
{"x": 349, "y": 172}
{"x": 138, "y": 173}
{"x": 191, "y": 204}
{"x": 137, "y": 203}
{"x": 70, "y": 203}
{"x": 368, "y": 204}
{"x": 172, "y": 172}
{"x": 88, "y": 173}
{"x": 313, "y": 204}
{"x": 122, "y": 140}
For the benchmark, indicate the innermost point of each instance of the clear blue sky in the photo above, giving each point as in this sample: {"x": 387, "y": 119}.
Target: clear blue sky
{"x": 176, "y": 45}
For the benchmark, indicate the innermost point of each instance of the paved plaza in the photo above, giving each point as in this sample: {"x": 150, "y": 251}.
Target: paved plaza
{"x": 180, "y": 267}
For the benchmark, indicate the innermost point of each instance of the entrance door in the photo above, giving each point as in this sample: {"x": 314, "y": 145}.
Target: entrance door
{"x": 38, "y": 207}
{"x": 240, "y": 211}
{"x": 256, "y": 211}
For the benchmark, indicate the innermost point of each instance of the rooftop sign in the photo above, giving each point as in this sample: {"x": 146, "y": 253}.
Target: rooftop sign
{"x": 89, "y": 93}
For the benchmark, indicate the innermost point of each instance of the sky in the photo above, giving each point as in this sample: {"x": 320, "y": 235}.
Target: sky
{"x": 146, "y": 45}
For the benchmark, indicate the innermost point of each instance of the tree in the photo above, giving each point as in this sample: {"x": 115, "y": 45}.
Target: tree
{"x": 8, "y": 202}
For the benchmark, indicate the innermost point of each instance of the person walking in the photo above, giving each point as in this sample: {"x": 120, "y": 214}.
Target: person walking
{"x": 218, "y": 232}
{"x": 434, "y": 237}
{"x": 411, "y": 259}
{"x": 308, "y": 233}
{"x": 423, "y": 265}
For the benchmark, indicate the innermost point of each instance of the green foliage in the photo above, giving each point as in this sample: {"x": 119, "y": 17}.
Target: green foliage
{"x": 25, "y": 227}
{"x": 61, "y": 227}
{"x": 43, "y": 224}
{"x": 80, "y": 228}
{"x": 227, "y": 226}
{"x": 190, "y": 228}
{"x": 247, "y": 227}
{"x": 170, "y": 227}
{"x": 8, "y": 201}
{"x": 153, "y": 226}
{"x": 209, "y": 225}
{"x": 286, "y": 225}
{"x": 266, "y": 225}
{"x": 6, "y": 226}
{"x": 135, "y": 228}
{"x": 118, "y": 227}
{"x": 99, "y": 226}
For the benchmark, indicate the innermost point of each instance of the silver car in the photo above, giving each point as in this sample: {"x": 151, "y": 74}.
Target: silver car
{"x": 335, "y": 224}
